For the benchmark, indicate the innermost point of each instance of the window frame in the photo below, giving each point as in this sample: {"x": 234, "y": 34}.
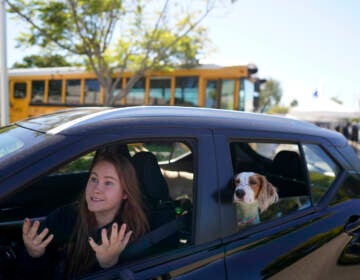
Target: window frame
{"x": 226, "y": 136}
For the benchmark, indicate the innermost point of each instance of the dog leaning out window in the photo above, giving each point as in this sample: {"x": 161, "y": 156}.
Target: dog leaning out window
{"x": 253, "y": 194}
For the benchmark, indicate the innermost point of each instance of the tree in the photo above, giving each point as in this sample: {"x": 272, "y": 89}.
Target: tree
{"x": 294, "y": 103}
{"x": 42, "y": 61}
{"x": 150, "y": 35}
{"x": 270, "y": 95}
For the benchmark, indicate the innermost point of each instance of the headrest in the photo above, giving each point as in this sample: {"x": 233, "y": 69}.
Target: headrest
{"x": 288, "y": 164}
{"x": 152, "y": 182}
{"x": 116, "y": 149}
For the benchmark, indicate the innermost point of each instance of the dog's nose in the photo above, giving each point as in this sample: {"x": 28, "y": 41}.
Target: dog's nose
{"x": 240, "y": 193}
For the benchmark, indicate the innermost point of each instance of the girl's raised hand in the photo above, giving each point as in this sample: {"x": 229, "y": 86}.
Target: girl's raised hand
{"x": 108, "y": 252}
{"x": 35, "y": 243}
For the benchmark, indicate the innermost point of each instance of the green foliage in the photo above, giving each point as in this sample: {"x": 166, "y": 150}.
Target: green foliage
{"x": 113, "y": 35}
{"x": 79, "y": 165}
{"x": 319, "y": 185}
{"x": 43, "y": 61}
{"x": 278, "y": 110}
{"x": 163, "y": 53}
{"x": 270, "y": 95}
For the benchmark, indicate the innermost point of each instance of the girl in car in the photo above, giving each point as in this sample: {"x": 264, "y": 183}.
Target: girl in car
{"x": 93, "y": 234}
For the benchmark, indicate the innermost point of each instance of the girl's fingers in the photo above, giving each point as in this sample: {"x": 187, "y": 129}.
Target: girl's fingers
{"x": 26, "y": 226}
{"x": 114, "y": 233}
{"x": 39, "y": 238}
{"x": 127, "y": 238}
{"x": 47, "y": 240}
{"x": 104, "y": 239}
{"x": 33, "y": 229}
{"x": 122, "y": 231}
{"x": 93, "y": 245}
{"x": 118, "y": 240}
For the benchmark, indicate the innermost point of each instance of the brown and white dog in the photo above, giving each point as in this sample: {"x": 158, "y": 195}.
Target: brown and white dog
{"x": 253, "y": 194}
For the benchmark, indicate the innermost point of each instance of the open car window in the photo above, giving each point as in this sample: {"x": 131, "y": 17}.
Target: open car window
{"x": 282, "y": 166}
{"x": 301, "y": 175}
{"x": 166, "y": 176}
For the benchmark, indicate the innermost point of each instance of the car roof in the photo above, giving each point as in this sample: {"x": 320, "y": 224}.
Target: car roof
{"x": 75, "y": 121}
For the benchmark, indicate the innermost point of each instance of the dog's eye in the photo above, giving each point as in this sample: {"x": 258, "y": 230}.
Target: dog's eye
{"x": 252, "y": 182}
{"x": 237, "y": 181}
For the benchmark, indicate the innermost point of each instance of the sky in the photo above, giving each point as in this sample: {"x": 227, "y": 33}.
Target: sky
{"x": 307, "y": 46}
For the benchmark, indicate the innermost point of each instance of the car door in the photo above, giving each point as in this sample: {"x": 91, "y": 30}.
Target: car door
{"x": 308, "y": 233}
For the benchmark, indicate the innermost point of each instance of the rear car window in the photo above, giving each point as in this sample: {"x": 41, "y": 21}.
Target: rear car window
{"x": 302, "y": 175}
{"x": 282, "y": 166}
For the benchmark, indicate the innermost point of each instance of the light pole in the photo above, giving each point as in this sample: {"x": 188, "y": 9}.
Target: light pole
{"x": 4, "y": 94}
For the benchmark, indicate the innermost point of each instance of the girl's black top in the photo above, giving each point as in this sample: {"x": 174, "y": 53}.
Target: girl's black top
{"x": 61, "y": 223}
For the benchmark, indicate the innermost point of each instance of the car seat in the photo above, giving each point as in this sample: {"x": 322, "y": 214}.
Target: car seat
{"x": 160, "y": 208}
{"x": 288, "y": 174}
{"x": 117, "y": 149}
{"x": 288, "y": 164}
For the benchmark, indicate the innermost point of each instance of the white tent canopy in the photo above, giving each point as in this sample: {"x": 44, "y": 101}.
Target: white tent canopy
{"x": 320, "y": 109}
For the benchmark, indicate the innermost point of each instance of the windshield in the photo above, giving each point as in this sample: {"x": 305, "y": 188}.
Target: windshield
{"x": 48, "y": 122}
{"x": 14, "y": 139}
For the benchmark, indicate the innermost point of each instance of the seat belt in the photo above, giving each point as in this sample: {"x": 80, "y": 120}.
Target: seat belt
{"x": 153, "y": 237}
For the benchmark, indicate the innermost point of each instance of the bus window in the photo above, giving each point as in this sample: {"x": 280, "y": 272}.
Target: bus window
{"x": 37, "y": 91}
{"x": 55, "y": 87}
{"x": 136, "y": 95}
{"x": 247, "y": 95}
{"x": 73, "y": 89}
{"x": 159, "y": 92}
{"x": 186, "y": 91}
{"x": 227, "y": 94}
{"x": 211, "y": 94}
{"x": 19, "y": 90}
{"x": 92, "y": 91}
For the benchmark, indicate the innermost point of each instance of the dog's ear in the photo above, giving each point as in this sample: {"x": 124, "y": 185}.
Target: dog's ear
{"x": 267, "y": 195}
{"x": 235, "y": 181}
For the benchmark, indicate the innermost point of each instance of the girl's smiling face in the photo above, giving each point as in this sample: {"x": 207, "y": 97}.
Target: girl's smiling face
{"x": 104, "y": 193}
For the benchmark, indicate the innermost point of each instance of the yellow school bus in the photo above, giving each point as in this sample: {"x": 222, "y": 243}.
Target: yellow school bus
{"x": 44, "y": 90}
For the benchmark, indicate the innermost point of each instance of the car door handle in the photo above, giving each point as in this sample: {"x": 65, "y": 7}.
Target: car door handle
{"x": 352, "y": 227}
{"x": 351, "y": 253}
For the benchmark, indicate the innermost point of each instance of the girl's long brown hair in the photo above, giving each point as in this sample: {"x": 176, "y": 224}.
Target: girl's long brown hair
{"x": 80, "y": 256}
